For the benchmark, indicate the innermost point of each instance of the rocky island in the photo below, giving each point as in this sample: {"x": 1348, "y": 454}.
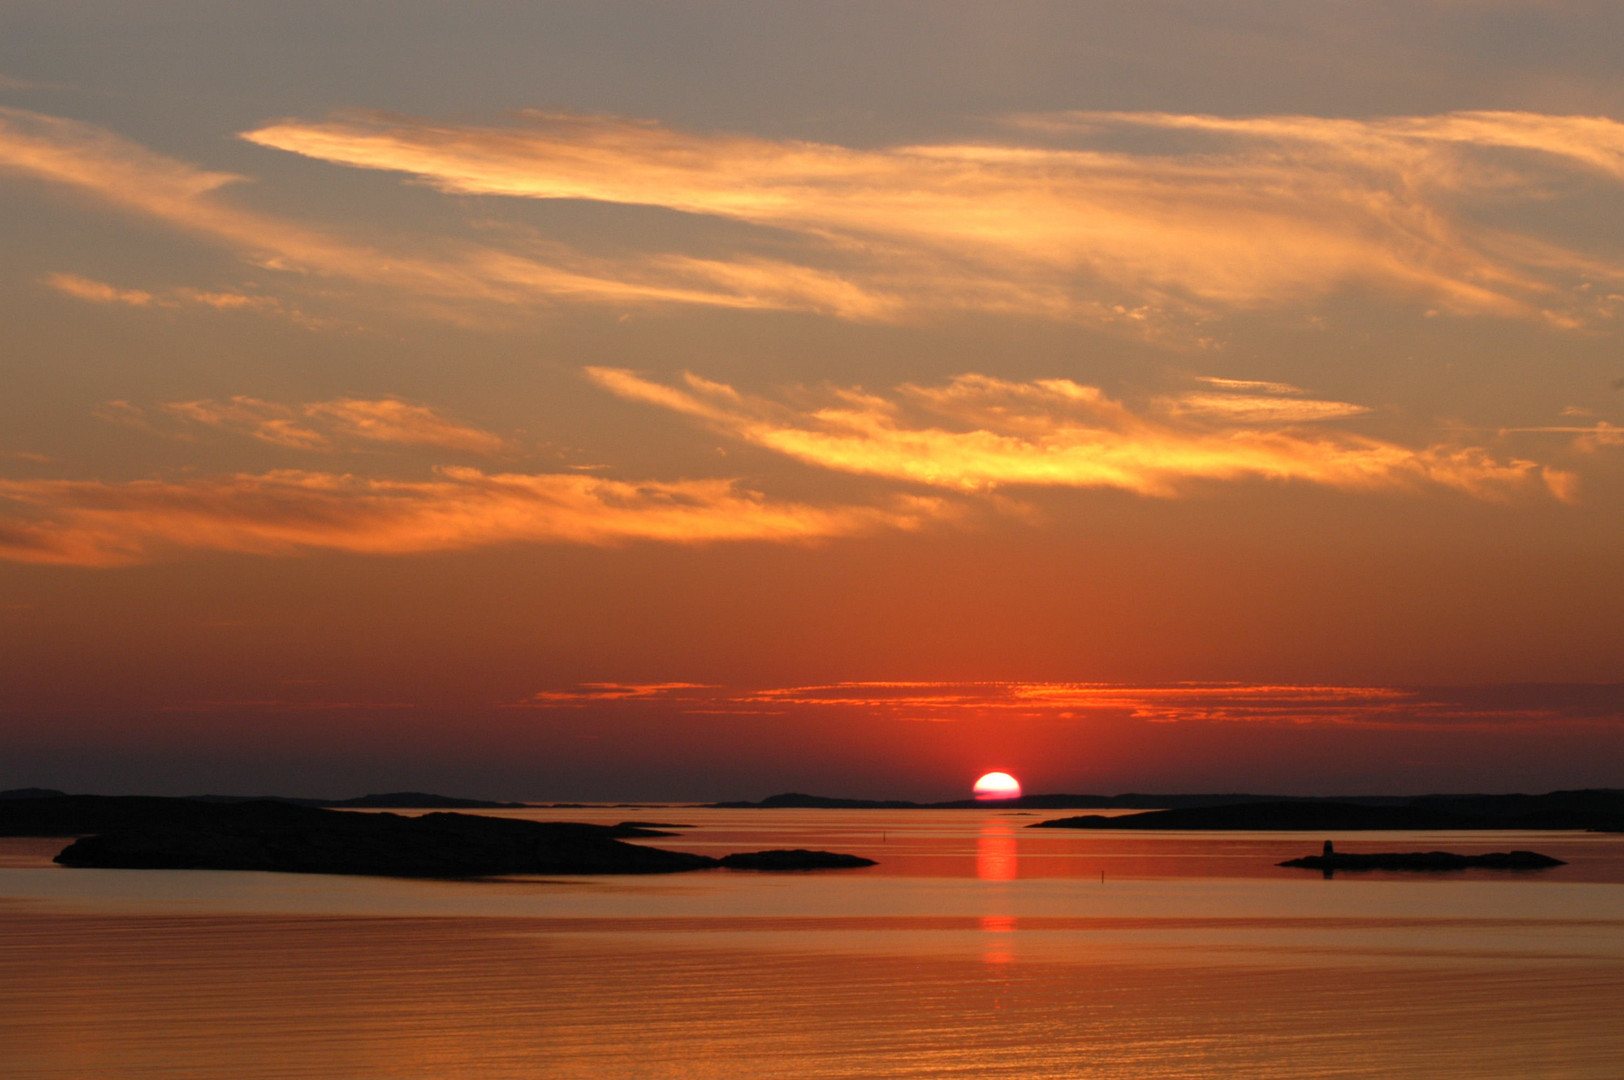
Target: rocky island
{"x": 793, "y": 859}
{"x": 152, "y": 833}
{"x": 1332, "y": 860}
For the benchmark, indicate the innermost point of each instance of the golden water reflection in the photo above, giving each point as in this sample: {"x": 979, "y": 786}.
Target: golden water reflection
{"x": 976, "y": 948}
{"x": 997, "y": 857}
{"x": 261, "y": 998}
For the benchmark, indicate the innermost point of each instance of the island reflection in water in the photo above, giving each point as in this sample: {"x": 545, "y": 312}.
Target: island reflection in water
{"x": 993, "y": 964}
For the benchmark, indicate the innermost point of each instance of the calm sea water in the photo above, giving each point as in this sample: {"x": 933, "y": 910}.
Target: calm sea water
{"x": 975, "y": 949}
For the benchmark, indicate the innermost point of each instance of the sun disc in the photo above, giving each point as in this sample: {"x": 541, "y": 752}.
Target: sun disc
{"x": 997, "y": 785}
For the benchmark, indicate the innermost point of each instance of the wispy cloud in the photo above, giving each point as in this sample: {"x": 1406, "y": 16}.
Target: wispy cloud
{"x": 592, "y": 693}
{"x": 91, "y": 160}
{"x": 96, "y": 523}
{"x": 1588, "y": 438}
{"x": 1176, "y": 703}
{"x": 324, "y": 425}
{"x": 1055, "y": 432}
{"x": 100, "y": 292}
{"x": 1059, "y": 218}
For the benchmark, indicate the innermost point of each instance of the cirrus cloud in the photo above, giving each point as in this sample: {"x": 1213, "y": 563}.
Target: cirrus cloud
{"x": 1080, "y": 704}
{"x": 1058, "y": 219}
{"x": 978, "y": 432}
{"x": 323, "y": 425}
{"x": 460, "y": 277}
{"x": 98, "y": 523}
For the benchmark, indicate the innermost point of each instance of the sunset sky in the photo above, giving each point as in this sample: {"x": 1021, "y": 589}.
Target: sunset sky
{"x": 650, "y": 400}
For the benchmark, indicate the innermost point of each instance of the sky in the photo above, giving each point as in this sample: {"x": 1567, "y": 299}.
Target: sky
{"x": 665, "y": 400}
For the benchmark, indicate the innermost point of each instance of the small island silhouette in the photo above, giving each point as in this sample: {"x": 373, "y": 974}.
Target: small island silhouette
{"x": 1330, "y": 860}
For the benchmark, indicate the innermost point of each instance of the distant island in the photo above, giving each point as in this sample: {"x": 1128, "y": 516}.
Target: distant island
{"x": 155, "y": 833}
{"x": 1332, "y": 861}
{"x": 1597, "y": 809}
{"x": 1130, "y": 801}
{"x": 1600, "y": 810}
{"x": 395, "y": 800}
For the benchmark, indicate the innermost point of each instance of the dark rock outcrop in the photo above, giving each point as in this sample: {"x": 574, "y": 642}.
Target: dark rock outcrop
{"x": 793, "y": 859}
{"x": 1426, "y": 860}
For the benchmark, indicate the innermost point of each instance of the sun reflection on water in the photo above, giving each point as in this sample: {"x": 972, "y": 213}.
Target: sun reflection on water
{"x": 996, "y": 855}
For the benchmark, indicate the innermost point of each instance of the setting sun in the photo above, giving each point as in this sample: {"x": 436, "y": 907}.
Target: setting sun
{"x": 997, "y": 785}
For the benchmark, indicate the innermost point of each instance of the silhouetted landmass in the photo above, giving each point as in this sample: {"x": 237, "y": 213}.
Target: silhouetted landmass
{"x": 418, "y": 800}
{"x": 818, "y": 802}
{"x": 1129, "y": 801}
{"x": 1427, "y": 860}
{"x": 397, "y": 800}
{"x": 796, "y": 859}
{"x": 1597, "y": 810}
{"x": 151, "y": 833}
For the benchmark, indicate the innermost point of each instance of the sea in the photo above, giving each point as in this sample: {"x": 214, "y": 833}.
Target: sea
{"x": 977, "y": 947}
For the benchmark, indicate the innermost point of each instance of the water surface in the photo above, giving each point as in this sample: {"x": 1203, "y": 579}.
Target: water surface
{"x": 975, "y": 948}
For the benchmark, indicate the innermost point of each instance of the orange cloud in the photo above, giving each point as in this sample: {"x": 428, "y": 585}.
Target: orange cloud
{"x": 594, "y": 692}
{"x": 263, "y": 420}
{"x": 93, "y": 523}
{"x": 1065, "y": 703}
{"x": 88, "y": 159}
{"x": 1055, "y": 432}
{"x": 386, "y": 421}
{"x": 1258, "y": 211}
{"x": 98, "y": 292}
{"x": 1591, "y": 437}
{"x": 394, "y": 421}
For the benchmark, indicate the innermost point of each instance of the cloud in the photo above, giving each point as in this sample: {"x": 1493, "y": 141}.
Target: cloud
{"x": 1387, "y": 707}
{"x": 1260, "y": 409}
{"x": 593, "y": 693}
{"x": 96, "y": 523}
{"x": 1590, "y": 437}
{"x": 265, "y": 421}
{"x": 394, "y": 421}
{"x": 80, "y": 157}
{"x": 321, "y": 425}
{"x": 98, "y": 292}
{"x": 1204, "y": 213}
{"x": 1247, "y": 385}
{"x": 1057, "y": 433}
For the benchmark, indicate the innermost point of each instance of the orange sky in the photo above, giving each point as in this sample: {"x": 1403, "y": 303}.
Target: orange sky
{"x": 1180, "y": 396}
